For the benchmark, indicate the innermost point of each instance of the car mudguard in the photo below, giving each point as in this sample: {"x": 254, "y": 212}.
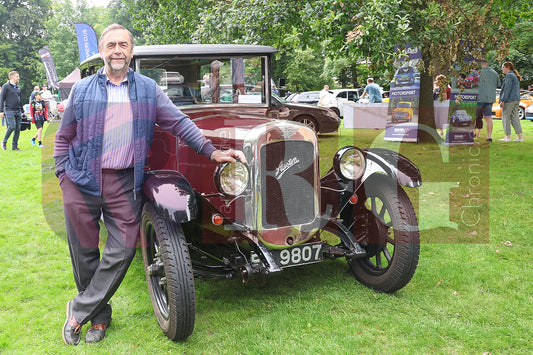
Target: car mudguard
{"x": 395, "y": 165}
{"x": 172, "y": 195}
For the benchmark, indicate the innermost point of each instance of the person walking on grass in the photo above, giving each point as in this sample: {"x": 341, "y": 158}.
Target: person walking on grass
{"x": 11, "y": 109}
{"x": 509, "y": 101}
{"x": 101, "y": 147}
{"x": 39, "y": 115}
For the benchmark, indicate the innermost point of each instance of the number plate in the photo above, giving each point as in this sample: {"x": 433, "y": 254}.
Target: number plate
{"x": 298, "y": 255}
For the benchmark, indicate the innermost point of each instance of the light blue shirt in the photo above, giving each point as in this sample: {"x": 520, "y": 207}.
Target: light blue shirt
{"x": 374, "y": 92}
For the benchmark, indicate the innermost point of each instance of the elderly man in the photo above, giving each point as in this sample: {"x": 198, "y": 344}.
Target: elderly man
{"x": 100, "y": 150}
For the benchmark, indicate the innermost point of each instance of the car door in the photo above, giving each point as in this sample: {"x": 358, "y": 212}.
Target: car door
{"x": 342, "y": 98}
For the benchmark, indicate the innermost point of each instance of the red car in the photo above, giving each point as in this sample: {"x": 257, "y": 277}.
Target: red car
{"x": 470, "y": 81}
{"x": 240, "y": 219}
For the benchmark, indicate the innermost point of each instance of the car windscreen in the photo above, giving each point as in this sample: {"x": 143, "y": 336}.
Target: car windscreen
{"x": 238, "y": 80}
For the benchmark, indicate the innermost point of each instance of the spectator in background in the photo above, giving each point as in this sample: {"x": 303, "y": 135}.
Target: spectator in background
{"x": 489, "y": 80}
{"x": 39, "y": 114}
{"x": 46, "y": 96}
{"x": 324, "y": 96}
{"x": 32, "y": 96}
{"x": 373, "y": 91}
{"x": 441, "y": 88}
{"x": 441, "y": 92}
{"x": 509, "y": 100}
{"x": 11, "y": 108}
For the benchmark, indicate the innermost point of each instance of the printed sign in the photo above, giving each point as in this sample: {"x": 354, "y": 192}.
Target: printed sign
{"x": 49, "y": 66}
{"x": 463, "y": 102}
{"x": 404, "y": 97}
{"x": 87, "y": 41}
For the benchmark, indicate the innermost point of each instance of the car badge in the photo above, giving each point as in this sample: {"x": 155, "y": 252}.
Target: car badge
{"x": 283, "y": 167}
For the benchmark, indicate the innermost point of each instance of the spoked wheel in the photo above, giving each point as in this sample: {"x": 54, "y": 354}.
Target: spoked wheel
{"x": 169, "y": 274}
{"x": 393, "y": 240}
{"x": 309, "y": 122}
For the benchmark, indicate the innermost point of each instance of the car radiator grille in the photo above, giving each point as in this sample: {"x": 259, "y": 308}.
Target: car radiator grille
{"x": 287, "y": 180}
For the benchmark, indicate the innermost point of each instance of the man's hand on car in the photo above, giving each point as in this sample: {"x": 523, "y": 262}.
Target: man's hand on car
{"x": 230, "y": 155}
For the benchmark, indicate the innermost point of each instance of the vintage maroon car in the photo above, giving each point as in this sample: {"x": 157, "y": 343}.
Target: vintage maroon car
{"x": 203, "y": 219}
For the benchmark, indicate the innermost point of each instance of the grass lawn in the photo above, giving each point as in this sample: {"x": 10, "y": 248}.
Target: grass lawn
{"x": 471, "y": 294}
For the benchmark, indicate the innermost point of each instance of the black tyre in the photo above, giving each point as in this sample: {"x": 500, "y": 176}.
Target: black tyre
{"x": 336, "y": 110}
{"x": 393, "y": 246}
{"x": 309, "y": 122}
{"x": 169, "y": 274}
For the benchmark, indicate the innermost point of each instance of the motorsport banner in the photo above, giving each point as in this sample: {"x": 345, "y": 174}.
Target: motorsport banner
{"x": 462, "y": 116}
{"x": 87, "y": 41}
{"x": 49, "y": 66}
{"x": 463, "y": 101}
{"x": 404, "y": 98}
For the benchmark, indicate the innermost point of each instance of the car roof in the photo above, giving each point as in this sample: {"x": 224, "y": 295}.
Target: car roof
{"x": 196, "y": 50}
{"x": 339, "y": 90}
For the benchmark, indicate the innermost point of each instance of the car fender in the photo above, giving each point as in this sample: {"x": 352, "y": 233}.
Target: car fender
{"x": 393, "y": 164}
{"x": 172, "y": 195}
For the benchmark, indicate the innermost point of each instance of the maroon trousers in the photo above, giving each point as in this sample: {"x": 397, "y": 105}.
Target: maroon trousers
{"x": 98, "y": 279}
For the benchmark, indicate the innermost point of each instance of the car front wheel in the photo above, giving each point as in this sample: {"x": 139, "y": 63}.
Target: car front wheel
{"x": 169, "y": 274}
{"x": 392, "y": 238}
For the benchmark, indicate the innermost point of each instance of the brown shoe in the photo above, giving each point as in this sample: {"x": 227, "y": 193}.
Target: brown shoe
{"x": 96, "y": 332}
{"x": 71, "y": 328}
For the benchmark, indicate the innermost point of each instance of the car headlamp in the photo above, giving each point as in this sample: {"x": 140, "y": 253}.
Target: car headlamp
{"x": 231, "y": 178}
{"x": 349, "y": 163}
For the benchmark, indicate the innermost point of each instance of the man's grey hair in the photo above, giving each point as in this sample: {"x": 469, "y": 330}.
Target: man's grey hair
{"x": 113, "y": 27}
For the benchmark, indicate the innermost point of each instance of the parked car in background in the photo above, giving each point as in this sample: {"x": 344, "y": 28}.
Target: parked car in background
{"x": 469, "y": 81}
{"x": 403, "y": 112}
{"x": 306, "y": 97}
{"x": 529, "y": 113}
{"x": 318, "y": 118}
{"x": 25, "y": 121}
{"x": 460, "y": 118}
{"x": 338, "y": 97}
{"x": 526, "y": 100}
{"x": 289, "y": 97}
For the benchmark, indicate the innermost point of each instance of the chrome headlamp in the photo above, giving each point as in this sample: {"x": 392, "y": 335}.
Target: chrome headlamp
{"x": 349, "y": 163}
{"x": 232, "y": 178}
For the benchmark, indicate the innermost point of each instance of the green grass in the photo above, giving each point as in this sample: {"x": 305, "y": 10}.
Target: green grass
{"x": 471, "y": 293}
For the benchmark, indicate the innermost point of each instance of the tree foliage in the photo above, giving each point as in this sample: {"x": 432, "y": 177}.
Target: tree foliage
{"x": 446, "y": 31}
{"x": 22, "y": 32}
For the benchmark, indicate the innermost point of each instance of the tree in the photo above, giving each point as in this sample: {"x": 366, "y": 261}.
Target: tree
{"x": 290, "y": 26}
{"x": 445, "y": 30}
{"x": 21, "y": 36}
{"x": 61, "y": 31}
